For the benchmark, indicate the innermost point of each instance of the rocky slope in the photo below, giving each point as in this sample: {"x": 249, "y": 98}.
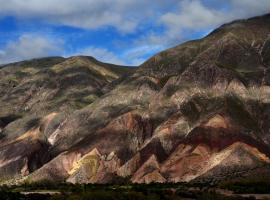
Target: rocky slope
{"x": 36, "y": 96}
{"x": 195, "y": 112}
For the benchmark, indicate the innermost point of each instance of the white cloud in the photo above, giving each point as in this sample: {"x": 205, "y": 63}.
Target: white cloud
{"x": 29, "y": 46}
{"x": 101, "y": 54}
{"x": 136, "y": 55}
{"x": 133, "y": 56}
{"x": 193, "y": 15}
{"x": 249, "y": 8}
{"x": 179, "y": 18}
{"x": 124, "y": 15}
{"x": 129, "y": 15}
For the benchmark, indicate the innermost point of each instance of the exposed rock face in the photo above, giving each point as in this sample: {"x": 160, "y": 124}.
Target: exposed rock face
{"x": 149, "y": 172}
{"x": 195, "y": 112}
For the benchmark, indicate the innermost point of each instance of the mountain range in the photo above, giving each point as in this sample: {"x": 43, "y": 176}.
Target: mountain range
{"x": 197, "y": 112}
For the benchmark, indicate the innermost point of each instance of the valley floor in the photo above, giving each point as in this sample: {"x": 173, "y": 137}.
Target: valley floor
{"x": 59, "y": 191}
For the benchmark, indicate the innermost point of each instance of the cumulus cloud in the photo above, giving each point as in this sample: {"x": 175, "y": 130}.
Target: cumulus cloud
{"x": 124, "y": 15}
{"x": 29, "y": 46}
{"x": 193, "y": 15}
{"x": 129, "y": 15}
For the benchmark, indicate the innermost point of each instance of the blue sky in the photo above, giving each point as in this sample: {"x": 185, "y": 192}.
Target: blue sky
{"x": 117, "y": 31}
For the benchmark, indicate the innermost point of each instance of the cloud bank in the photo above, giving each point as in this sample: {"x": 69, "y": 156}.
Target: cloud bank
{"x": 152, "y": 25}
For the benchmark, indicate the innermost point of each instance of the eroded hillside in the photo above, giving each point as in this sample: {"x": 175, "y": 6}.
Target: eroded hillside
{"x": 195, "y": 112}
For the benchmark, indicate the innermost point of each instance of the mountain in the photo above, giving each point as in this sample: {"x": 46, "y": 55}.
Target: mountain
{"x": 37, "y": 95}
{"x": 197, "y": 112}
{"x": 35, "y": 88}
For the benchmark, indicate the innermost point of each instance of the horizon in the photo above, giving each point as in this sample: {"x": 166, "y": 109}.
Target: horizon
{"x": 125, "y": 33}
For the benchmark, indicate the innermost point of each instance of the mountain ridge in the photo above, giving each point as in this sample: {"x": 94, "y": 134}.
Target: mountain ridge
{"x": 188, "y": 114}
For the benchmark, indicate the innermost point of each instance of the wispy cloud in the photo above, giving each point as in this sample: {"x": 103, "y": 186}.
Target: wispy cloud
{"x": 137, "y": 55}
{"x": 101, "y": 54}
{"x": 133, "y": 56}
{"x": 195, "y": 15}
{"x": 30, "y": 46}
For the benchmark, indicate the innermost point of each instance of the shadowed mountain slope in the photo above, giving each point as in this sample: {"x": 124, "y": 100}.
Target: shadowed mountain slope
{"x": 195, "y": 112}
